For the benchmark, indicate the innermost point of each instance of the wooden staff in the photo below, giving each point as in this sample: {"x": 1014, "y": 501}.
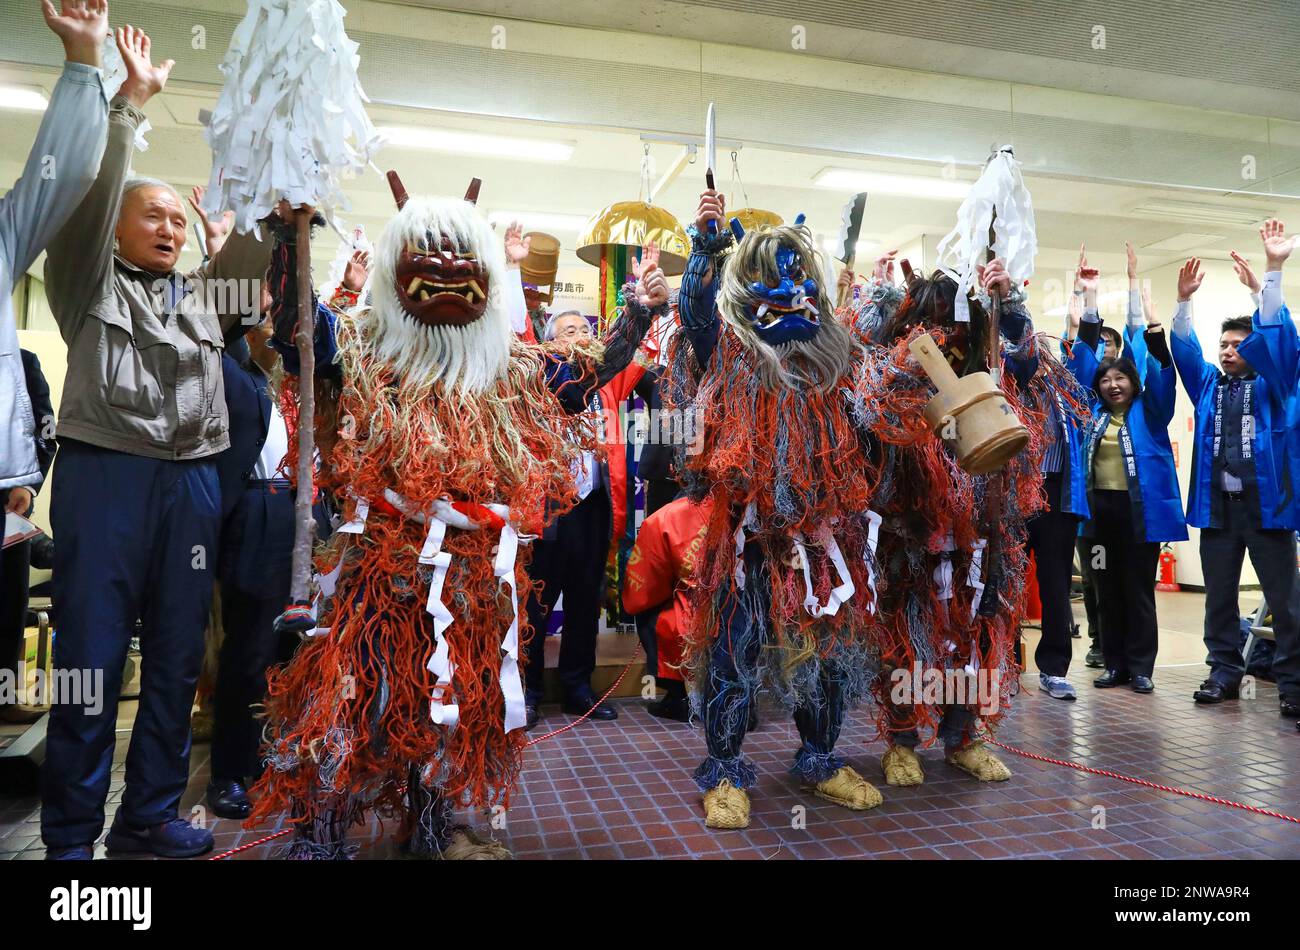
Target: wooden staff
{"x": 993, "y": 346}
{"x": 993, "y": 497}
{"x": 304, "y": 528}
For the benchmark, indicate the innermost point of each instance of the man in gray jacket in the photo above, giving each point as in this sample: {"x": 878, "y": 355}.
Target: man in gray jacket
{"x": 135, "y": 500}
{"x": 59, "y": 171}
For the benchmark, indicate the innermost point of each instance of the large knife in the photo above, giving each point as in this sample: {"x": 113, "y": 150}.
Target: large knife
{"x": 710, "y": 154}
{"x": 851, "y": 227}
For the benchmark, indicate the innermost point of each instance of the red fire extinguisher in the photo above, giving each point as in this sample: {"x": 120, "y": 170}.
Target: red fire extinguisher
{"x": 1168, "y": 567}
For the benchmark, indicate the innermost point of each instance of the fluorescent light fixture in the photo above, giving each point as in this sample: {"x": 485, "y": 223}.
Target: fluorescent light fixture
{"x": 540, "y": 220}
{"x": 1171, "y": 209}
{"x": 22, "y": 97}
{"x": 475, "y": 143}
{"x": 918, "y": 186}
{"x": 1184, "y": 242}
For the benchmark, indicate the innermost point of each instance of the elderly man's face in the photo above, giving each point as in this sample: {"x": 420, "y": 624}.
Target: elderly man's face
{"x": 571, "y": 328}
{"x": 151, "y": 229}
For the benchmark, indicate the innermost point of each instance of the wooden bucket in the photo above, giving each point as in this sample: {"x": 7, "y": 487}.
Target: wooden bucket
{"x": 542, "y": 263}
{"x": 969, "y": 413}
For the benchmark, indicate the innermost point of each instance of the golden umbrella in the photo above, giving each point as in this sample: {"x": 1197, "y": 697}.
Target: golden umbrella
{"x": 633, "y": 224}
{"x": 751, "y": 219}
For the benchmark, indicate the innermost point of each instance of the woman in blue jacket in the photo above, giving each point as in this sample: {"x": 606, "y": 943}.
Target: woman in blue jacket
{"x": 1134, "y": 500}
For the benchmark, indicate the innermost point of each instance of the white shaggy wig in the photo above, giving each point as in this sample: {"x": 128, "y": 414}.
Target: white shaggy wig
{"x": 471, "y": 358}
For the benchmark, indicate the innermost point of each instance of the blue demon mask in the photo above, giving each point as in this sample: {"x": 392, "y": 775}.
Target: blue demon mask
{"x": 786, "y": 313}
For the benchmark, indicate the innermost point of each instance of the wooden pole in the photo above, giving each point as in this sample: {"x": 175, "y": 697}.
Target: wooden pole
{"x": 993, "y": 496}
{"x": 993, "y": 346}
{"x": 304, "y": 528}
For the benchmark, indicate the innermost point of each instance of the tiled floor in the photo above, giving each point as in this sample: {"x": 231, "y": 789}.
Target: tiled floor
{"x": 623, "y": 789}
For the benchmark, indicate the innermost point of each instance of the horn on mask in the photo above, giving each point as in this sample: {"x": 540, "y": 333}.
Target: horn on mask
{"x": 399, "y": 190}
{"x": 471, "y": 193}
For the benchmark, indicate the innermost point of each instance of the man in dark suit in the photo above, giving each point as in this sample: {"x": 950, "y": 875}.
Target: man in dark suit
{"x": 252, "y": 565}
{"x": 15, "y": 563}
{"x": 569, "y": 560}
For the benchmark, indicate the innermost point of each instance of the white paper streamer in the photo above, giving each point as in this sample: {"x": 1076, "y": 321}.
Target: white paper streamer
{"x": 999, "y": 187}
{"x": 975, "y": 578}
{"x": 750, "y": 519}
{"x": 512, "y": 680}
{"x": 358, "y": 523}
{"x": 291, "y": 120}
{"x": 441, "y": 516}
{"x": 840, "y": 594}
{"x": 325, "y": 584}
{"x": 873, "y": 539}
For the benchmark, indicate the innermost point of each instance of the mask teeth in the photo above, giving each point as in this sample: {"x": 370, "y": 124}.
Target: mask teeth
{"x": 761, "y": 310}
{"x": 736, "y": 229}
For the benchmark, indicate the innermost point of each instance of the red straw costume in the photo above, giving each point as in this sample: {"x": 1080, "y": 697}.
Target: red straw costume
{"x": 454, "y": 443}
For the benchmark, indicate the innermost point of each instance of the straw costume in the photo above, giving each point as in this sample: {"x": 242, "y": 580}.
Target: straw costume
{"x": 454, "y": 445}
{"x": 952, "y": 553}
{"x": 785, "y": 576}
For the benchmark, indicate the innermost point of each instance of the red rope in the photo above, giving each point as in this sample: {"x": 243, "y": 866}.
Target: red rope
{"x": 1143, "y": 782}
{"x": 597, "y": 704}
{"x": 251, "y": 844}
{"x": 608, "y": 693}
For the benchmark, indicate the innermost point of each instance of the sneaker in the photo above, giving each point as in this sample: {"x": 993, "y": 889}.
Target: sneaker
{"x": 1058, "y": 687}
{"x": 1095, "y": 660}
{"x": 78, "y": 852}
{"x": 170, "y": 839}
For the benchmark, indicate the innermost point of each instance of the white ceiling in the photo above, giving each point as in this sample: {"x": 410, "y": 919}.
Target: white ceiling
{"x": 777, "y": 165}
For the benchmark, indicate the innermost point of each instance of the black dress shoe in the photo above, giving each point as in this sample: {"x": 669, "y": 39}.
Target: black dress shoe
{"x": 1211, "y": 693}
{"x": 530, "y": 710}
{"x": 1112, "y": 678}
{"x": 1143, "y": 684}
{"x": 673, "y": 706}
{"x": 1290, "y": 709}
{"x": 584, "y": 702}
{"x": 227, "y": 799}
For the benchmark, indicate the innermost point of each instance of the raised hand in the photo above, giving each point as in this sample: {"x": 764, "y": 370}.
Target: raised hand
{"x": 1244, "y": 272}
{"x": 1190, "y": 276}
{"x": 356, "y": 271}
{"x": 1074, "y": 314}
{"x": 214, "y": 232}
{"x": 1148, "y": 308}
{"x": 1277, "y": 246}
{"x": 884, "y": 269}
{"x": 1086, "y": 277}
{"x": 82, "y": 25}
{"x": 516, "y": 244}
{"x": 651, "y": 284}
{"x": 713, "y": 207}
{"x": 1132, "y": 260}
{"x": 144, "y": 80}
